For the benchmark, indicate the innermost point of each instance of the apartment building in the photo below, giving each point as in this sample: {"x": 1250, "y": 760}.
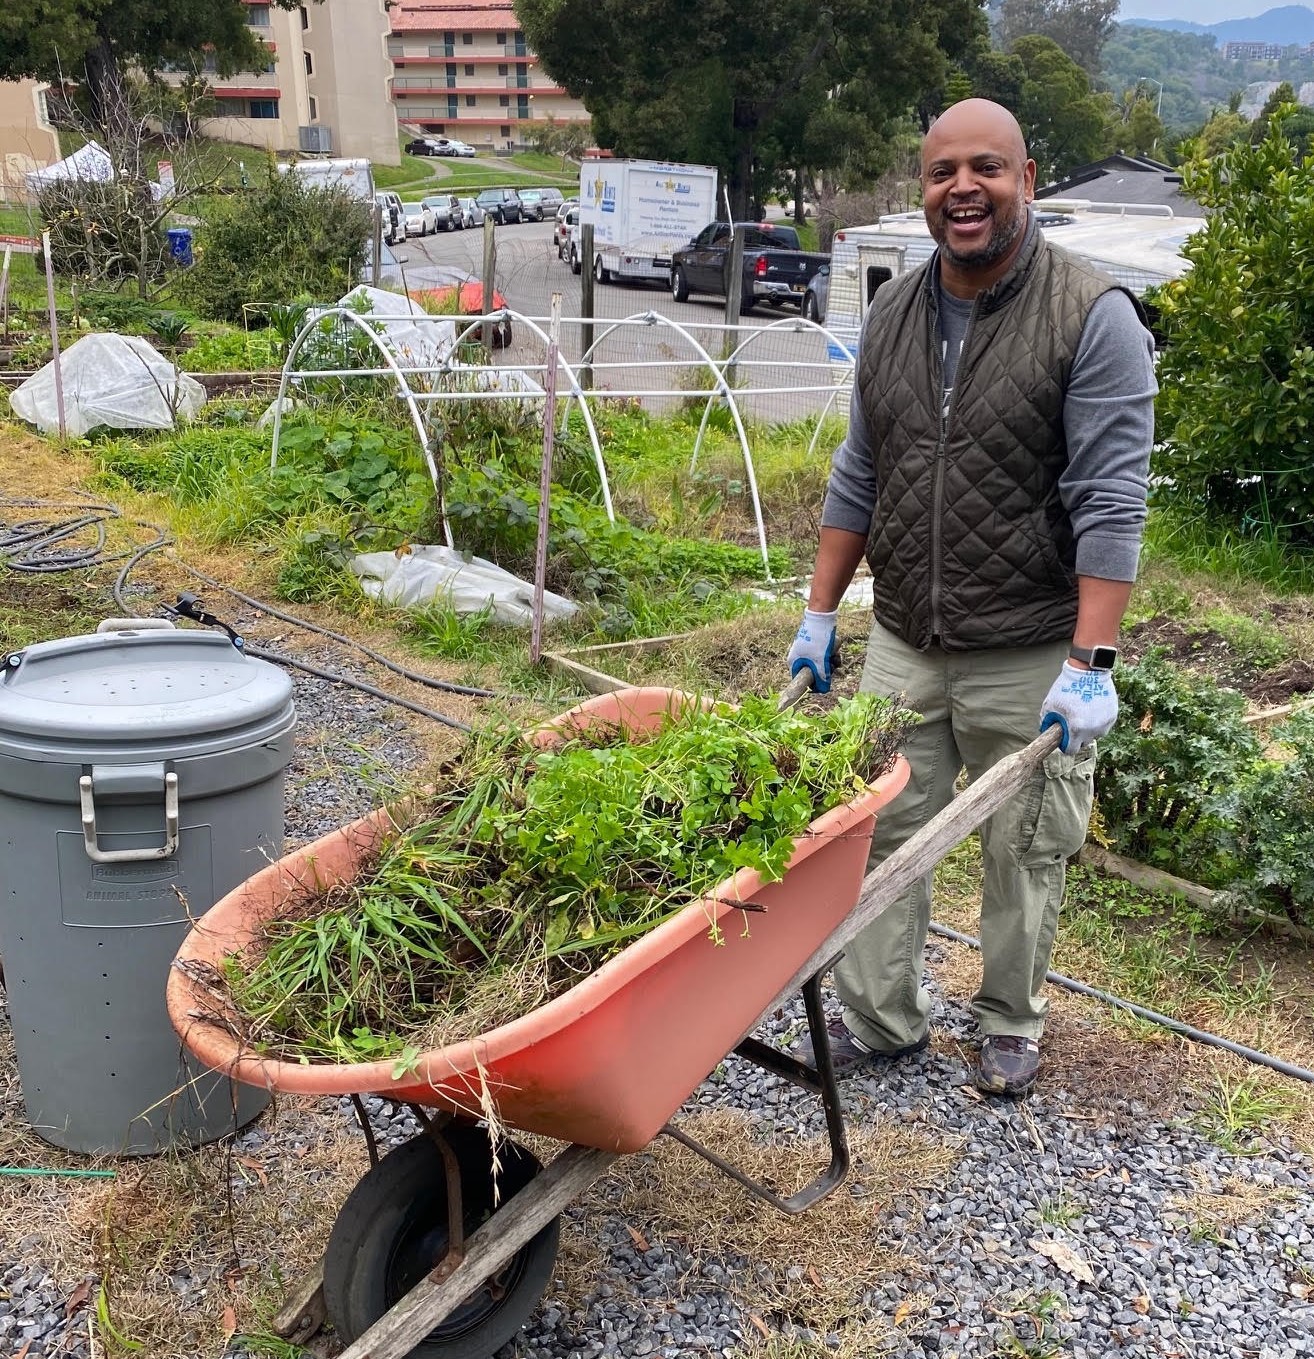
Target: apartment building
{"x": 464, "y": 70}
{"x": 325, "y": 89}
{"x": 1251, "y": 51}
{"x": 27, "y": 139}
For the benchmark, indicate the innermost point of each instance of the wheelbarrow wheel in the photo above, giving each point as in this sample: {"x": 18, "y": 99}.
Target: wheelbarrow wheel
{"x": 393, "y": 1230}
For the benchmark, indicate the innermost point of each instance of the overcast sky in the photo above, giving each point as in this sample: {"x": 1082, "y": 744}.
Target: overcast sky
{"x": 1199, "y": 11}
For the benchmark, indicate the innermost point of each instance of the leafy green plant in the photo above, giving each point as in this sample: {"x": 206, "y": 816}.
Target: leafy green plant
{"x": 170, "y": 328}
{"x": 1237, "y": 375}
{"x": 1270, "y": 829}
{"x": 1177, "y": 752}
{"x": 282, "y": 239}
{"x": 286, "y": 320}
{"x": 232, "y": 351}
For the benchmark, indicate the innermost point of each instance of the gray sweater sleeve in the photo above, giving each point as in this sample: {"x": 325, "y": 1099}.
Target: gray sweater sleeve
{"x": 1108, "y": 421}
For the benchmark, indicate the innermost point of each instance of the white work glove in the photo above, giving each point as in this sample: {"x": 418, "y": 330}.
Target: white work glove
{"x": 1084, "y": 705}
{"x": 814, "y": 647}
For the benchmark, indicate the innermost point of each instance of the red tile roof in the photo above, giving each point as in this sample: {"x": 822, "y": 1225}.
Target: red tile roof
{"x": 469, "y": 16}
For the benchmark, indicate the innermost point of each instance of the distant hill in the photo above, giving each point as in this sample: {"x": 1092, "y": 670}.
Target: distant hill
{"x": 1288, "y": 26}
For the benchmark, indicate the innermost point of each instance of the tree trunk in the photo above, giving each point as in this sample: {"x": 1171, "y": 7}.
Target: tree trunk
{"x": 105, "y": 89}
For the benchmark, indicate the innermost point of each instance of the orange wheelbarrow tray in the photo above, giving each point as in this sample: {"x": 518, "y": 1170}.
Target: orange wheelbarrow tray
{"x": 609, "y": 1061}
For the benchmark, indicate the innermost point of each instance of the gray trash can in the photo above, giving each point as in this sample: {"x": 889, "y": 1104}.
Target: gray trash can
{"x": 141, "y": 778}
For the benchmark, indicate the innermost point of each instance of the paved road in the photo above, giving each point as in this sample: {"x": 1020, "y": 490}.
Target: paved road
{"x": 527, "y": 273}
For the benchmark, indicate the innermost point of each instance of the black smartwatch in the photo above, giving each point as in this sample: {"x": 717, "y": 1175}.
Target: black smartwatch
{"x": 1097, "y": 657}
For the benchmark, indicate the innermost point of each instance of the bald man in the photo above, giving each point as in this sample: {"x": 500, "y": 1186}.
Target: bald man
{"x": 994, "y": 476}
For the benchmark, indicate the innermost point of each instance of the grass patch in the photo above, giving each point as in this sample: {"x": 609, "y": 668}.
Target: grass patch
{"x": 1232, "y": 559}
{"x": 1240, "y": 1109}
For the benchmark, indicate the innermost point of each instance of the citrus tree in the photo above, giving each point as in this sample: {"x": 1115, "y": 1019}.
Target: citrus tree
{"x": 1235, "y": 411}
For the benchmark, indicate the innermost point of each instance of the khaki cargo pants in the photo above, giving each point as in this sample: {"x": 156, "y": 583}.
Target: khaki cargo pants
{"x": 977, "y": 707}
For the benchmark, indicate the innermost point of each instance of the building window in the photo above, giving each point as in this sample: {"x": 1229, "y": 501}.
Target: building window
{"x": 230, "y": 108}
{"x": 504, "y": 100}
{"x": 264, "y": 108}
{"x": 505, "y": 132}
{"x": 310, "y": 63}
{"x": 469, "y": 68}
{"x": 501, "y": 68}
{"x": 314, "y": 108}
{"x": 452, "y": 111}
{"x": 305, "y": 17}
{"x": 257, "y": 16}
{"x": 396, "y": 47}
{"x": 470, "y": 101}
{"x": 501, "y": 38}
{"x": 467, "y": 39}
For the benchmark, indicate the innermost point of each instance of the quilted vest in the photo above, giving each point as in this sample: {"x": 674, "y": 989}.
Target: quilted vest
{"x": 970, "y": 546}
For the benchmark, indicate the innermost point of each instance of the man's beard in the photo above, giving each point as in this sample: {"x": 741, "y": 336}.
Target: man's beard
{"x": 1003, "y": 234}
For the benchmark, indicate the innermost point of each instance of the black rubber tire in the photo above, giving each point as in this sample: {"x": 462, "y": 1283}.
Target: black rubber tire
{"x": 600, "y": 274}
{"x": 393, "y": 1229}
{"x": 679, "y": 285}
{"x": 810, "y": 307}
{"x": 575, "y": 265}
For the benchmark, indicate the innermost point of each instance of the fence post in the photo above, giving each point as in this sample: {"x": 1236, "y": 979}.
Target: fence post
{"x": 545, "y": 479}
{"x": 54, "y": 333}
{"x": 586, "y": 299}
{"x": 490, "y": 266}
{"x": 734, "y": 295}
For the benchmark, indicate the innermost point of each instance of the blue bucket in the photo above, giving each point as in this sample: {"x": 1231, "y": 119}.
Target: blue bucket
{"x": 180, "y": 246}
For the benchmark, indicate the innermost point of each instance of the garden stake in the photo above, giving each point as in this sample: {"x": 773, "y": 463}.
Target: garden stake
{"x": 54, "y": 332}
{"x": 490, "y": 264}
{"x": 545, "y": 478}
{"x": 4, "y": 290}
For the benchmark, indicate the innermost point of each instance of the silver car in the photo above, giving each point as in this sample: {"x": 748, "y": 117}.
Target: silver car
{"x": 446, "y": 212}
{"x": 472, "y": 215}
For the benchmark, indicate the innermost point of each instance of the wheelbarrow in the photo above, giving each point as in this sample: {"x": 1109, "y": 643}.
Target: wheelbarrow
{"x": 427, "y": 1258}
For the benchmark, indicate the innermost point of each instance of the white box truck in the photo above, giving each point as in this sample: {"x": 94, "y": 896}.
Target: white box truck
{"x": 642, "y": 210}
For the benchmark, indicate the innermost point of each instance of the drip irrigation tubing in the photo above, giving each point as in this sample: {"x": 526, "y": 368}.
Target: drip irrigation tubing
{"x": 33, "y": 546}
{"x": 1213, "y": 1040}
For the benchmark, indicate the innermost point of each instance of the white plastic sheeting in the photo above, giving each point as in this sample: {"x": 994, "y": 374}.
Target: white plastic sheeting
{"x": 423, "y": 344}
{"x": 425, "y": 575}
{"x": 116, "y": 380}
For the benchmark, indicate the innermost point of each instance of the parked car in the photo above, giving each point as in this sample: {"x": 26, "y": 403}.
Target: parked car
{"x": 472, "y": 215}
{"x": 394, "y": 219}
{"x": 419, "y": 219}
{"x": 535, "y": 204}
{"x": 817, "y": 295}
{"x": 429, "y": 146}
{"x": 463, "y": 291}
{"x": 567, "y": 217}
{"x": 446, "y": 209}
{"x": 460, "y": 148}
{"x": 502, "y": 205}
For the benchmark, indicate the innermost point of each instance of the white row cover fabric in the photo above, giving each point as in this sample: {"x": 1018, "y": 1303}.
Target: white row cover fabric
{"x": 422, "y": 575}
{"x": 120, "y": 381}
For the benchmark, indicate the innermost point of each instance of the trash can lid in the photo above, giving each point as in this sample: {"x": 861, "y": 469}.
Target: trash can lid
{"x": 139, "y": 693}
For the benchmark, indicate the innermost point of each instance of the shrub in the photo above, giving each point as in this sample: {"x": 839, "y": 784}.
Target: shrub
{"x": 1237, "y": 375}
{"x": 1168, "y": 768}
{"x": 1270, "y": 836}
{"x": 283, "y": 239}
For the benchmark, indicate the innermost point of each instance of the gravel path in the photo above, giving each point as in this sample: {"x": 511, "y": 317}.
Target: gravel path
{"x": 1093, "y": 1219}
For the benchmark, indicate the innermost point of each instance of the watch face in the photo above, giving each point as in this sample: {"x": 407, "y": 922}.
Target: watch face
{"x": 1103, "y": 657}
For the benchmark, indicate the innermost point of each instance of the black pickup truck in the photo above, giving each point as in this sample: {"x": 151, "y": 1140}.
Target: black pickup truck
{"x": 776, "y": 268}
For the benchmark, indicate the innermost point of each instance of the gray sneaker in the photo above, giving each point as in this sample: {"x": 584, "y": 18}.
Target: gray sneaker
{"x": 1009, "y": 1064}
{"x": 848, "y": 1054}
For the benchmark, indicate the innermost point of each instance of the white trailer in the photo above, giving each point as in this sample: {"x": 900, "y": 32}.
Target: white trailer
{"x": 355, "y": 176}
{"x": 1137, "y": 244}
{"x": 642, "y": 210}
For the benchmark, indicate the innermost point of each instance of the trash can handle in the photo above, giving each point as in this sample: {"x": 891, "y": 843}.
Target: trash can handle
{"x": 90, "y": 840}
{"x": 133, "y": 624}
